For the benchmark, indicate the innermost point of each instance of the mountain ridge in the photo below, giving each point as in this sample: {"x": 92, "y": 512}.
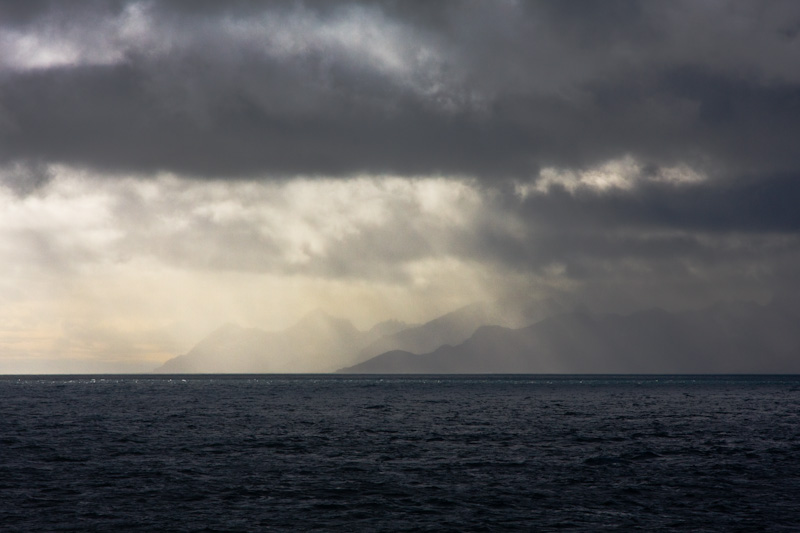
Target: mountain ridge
{"x": 726, "y": 337}
{"x": 722, "y": 337}
{"x": 320, "y": 342}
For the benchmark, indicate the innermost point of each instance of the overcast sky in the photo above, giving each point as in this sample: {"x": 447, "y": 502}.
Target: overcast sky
{"x": 169, "y": 166}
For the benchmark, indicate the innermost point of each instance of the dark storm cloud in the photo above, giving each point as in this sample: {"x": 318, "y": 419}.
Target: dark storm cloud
{"x": 746, "y": 205}
{"x": 22, "y": 14}
{"x": 506, "y": 88}
{"x": 126, "y": 127}
{"x": 655, "y": 242}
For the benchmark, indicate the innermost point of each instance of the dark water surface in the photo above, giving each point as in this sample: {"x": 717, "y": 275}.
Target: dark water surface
{"x": 362, "y": 453}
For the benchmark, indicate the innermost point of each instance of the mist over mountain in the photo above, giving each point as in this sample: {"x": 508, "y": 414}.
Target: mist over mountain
{"x": 317, "y": 343}
{"x": 737, "y": 337}
{"x": 457, "y": 326}
{"x": 450, "y": 328}
{"x": 733, "y": 337}
{"x": 322, "y": 343}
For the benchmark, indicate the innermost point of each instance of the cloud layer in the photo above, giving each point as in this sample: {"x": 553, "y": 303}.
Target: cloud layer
{"x": 493, "y": 90}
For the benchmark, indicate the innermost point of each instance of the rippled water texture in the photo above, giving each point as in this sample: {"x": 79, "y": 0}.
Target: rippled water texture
{"x": 227, "y": 453}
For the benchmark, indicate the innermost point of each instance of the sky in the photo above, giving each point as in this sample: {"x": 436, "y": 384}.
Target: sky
{"x": 166, "y": 167}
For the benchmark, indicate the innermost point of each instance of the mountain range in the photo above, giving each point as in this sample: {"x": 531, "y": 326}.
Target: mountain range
{"x": 734, "y": 337}
{"x": 317, "y": 343}
{"x": 738, "y": 337}
{"x": 322, "y": 343}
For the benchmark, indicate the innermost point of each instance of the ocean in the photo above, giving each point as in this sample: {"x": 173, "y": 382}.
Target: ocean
{"x": 399, "y": 453}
